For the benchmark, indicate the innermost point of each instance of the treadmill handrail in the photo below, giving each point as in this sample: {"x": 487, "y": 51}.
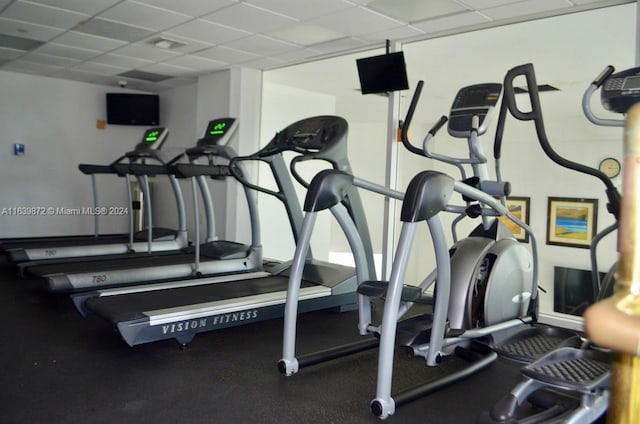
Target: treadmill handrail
{"x": 91, "y": 169}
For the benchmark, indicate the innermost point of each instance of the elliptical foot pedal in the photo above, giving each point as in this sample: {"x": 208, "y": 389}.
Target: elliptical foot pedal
{"x": 378, "y": 290}
{"x": 533, "y": 343}
{"x": 581, "y": 370}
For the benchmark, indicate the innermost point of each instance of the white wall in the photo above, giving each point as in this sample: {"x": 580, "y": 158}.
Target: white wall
{"x": 56, "y": 120}
{"x": 229, "y": 93}
{"x": 282, "y": 106}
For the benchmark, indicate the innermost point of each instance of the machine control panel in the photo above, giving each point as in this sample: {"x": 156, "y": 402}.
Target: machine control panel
{"x": 153, "y": 139}
{"x": 309, "y": 135}
{"x": 218, "y": 132}
{"x": 621, "y": 90}
{"x": 475, "y": 100}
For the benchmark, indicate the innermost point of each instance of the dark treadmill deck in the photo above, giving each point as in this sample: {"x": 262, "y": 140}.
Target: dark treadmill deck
{"x": 136, "y": 260}
{"x": 21, "y": 243}
{"x": 132, "y": 306}
{"x": 62, "y": 368}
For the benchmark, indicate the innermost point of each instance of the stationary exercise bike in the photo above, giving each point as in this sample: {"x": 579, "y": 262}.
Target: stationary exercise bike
{"x": 581, "y": 373}
{"x": 485, "y": 285}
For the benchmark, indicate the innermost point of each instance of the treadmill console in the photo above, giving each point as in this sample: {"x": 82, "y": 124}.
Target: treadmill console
{"x": 218, "y": 132}
{"x": 475, "y": 100}
{"x": 310, "y": 135}
{"x": 152, "y": 139}
{"x": 621, "y": 90}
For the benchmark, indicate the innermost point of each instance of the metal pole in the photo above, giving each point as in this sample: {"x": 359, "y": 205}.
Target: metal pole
{"x": 391, "y": 177}
{"x": 624, "y": 403}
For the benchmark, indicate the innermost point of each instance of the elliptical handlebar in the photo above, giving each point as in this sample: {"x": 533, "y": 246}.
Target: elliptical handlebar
{"x": 586, "y": 100}
{"x": 536, "y": 115}
{"x": 404, "y": 131}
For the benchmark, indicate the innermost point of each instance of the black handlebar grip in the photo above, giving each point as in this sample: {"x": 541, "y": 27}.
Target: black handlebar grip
{"x": 443, "y": 120}
{"x": 606, "y": 73}
{"x": 407, "y": 121}
{"x": 525, "y": 70}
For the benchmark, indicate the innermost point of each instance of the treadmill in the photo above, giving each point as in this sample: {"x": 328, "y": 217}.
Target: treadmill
{"x": 160, "y": 239}
{"x": 213, "y": 257}
{"x": 165, "y": 311}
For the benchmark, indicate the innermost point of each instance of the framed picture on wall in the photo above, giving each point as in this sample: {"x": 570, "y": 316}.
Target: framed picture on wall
{"x": 571, "y": 222}
{"x": 519, "y": 207}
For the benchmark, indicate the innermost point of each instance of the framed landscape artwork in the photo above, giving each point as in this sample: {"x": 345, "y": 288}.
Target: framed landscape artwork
{"x": 571, "y": 221}
{"x": 519, "y": 207}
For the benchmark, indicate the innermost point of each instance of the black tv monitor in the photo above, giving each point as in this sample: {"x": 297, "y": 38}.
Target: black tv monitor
{"x": 573, "y": 290}
{"x": 384, "y": 73}
{"x": 133, "y": 109}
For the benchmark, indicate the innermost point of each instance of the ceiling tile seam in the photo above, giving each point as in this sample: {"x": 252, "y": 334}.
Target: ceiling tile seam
{"x": 273, "y": 12}
{"x": 153, "y": 6}
{"x": 2, "y": 9}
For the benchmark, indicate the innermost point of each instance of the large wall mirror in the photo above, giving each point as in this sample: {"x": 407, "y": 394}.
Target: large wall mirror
{"x": 567, "y": 51}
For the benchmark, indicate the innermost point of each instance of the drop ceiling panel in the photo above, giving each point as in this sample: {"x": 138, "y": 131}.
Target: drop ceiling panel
{"x": 18, "y": 43}
{"x": 484, "y": 4}
{"x": 249, "y": 18}
{"x": 112, "y": 35}
{"x": 170, "y": 70}
{"x": 196, "y": 63}
{"x": 449, "y": 22}
{"x": 357, "y": 20}
{"x": 125, "y": 62}
{"x": 87, "y": 41}
{"x": 141, "y": 51}
{"x": 209, "y": 32}
{"x": 144, "y": 16}
{"x": 524, "y": 8}
{"x": 306, "y": 34}
{"x": 98, "y": 68}
{"x": 45, "y": 59}
{"x": 193, "y": 8}
{"x": 43, "y": 15}
{"x": 74, "y": 74}
{"x": 297, "y": 55}
{"x": 343, "y": 44}
{"x": 115, "y": 30}
{"x": 28, "y": 30}
{"x": 265, "y": 62}
{"x": 89, "y": 7}
{"x": 30, "y": 68}
{"x": 227, "y": 54}
{"x": 398, "y": 33}
{"x": 301, "y": 9}
{"x": 416, "y": 10}
{"x": 67, "y": 51}
{"x": 261, "y": 45}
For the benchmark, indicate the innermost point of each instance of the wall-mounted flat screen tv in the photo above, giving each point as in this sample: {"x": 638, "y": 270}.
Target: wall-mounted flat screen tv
{"x": 133, "y": 109}
{"x": 573, "y": 290}
{"x": 384, "y": 73}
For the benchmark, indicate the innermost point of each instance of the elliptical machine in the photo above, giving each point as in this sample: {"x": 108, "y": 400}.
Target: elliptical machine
{"x": 485, "y": 285}
{"x": 581, "y": 373}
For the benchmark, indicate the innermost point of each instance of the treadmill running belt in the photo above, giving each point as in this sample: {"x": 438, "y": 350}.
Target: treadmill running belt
{"x": 132, "y": 306}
